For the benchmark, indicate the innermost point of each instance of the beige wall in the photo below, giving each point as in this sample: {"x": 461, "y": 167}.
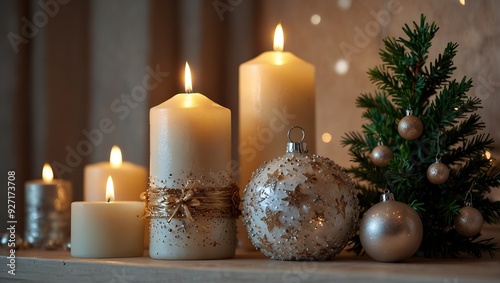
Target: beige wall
{"x": 476, "y": 27}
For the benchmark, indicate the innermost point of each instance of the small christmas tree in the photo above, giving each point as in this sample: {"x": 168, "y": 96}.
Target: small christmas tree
{"x": 449, "y": 137}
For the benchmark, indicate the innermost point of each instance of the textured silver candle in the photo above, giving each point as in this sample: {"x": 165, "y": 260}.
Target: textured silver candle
{"x": 48, "y": 213}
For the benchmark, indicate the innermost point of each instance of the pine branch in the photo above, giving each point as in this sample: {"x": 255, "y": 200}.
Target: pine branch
{"x": 450, "y": 120}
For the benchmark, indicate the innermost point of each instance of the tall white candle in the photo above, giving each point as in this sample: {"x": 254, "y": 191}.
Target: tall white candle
{"x": 107, "y": 228}
{"x": 190, "y": 140}
{"x": 276, "y": 92}
{"x": 132, "y": 179}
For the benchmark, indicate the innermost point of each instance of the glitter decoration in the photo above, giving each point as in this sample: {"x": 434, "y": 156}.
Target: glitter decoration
{"x": 194, "y": 220}
{"x": 308, "y": 212}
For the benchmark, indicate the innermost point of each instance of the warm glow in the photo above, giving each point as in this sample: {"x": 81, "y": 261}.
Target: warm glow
{"x": 279, "y": 40}
{"x": 115, "y": 157}
{"x": 462, "y": 2}
{"x": 110, "y": 190}
{"x": 487, "y": 154}
{"x": 47, "y": 174}
{"x": 341, "y": 66}
{"x": 188, "y": 84}
{"x": 326, "y": 137}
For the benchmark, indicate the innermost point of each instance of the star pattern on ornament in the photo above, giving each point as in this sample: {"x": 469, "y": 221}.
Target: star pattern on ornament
{"x": 290, "y": 234}
{"x": 316, "y": 165}
{"x": 319, "y": 217}
{"x": 265, "y": 244}
{"x": 341, "y": 204}
{"x": 311, "y": 178}
{"x": 295, "y": 197}
{"x": 274, "y": 178}
{"x": 272, "y": 219}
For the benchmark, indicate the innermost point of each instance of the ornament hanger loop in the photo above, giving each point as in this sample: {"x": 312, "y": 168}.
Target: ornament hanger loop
{"x": 409, "y": 111}
{"x": 296, "y": 127}
{"x": 438, "y": 149}
{"x": 468, "y": 195}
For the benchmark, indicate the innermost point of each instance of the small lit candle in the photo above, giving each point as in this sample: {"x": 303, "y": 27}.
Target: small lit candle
{"x": 47, "y": 216}
{"x": 190, "y": 140}
{"x": 129, "y": 177}
{"x": 107, "y": 228}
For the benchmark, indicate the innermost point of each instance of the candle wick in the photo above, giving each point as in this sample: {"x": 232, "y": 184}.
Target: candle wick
{"x": 109, "y": 199}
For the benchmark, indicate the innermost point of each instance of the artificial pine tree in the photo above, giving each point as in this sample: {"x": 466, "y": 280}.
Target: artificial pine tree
{"x": 450, "y": 135}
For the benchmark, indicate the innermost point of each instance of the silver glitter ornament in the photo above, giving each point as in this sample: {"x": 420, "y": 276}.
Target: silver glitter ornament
{"x": 300, "y": 206}
{"x": 390, "y": 231}
{"x": 410, "y": 127}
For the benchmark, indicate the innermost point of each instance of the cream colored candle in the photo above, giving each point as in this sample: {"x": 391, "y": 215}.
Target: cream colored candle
{"x": 276, "y": 92}
{"x": 130, "y": 178}
{"x": 107, "y": 228}
{"x": 190, "y": 140}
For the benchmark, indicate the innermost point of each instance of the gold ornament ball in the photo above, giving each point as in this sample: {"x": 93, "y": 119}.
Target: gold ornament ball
{"x": 390, "y": 231}
{"x": 300, "y": 207}
{"x": 410, "y": 127}
{"x": 381, "y": 155}
{"x": 438, "y": 173}
{"x": 469, "y": 222}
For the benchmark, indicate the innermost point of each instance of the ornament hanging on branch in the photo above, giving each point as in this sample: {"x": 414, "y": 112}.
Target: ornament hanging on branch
{"x": 410, "y": 127}
{"x": 390, "y": 231}
{"x": 381, "y": 154}
{"x": 437, "y": 172}
{"x": 300, "y": 206}
{"x": 469, "y": 220}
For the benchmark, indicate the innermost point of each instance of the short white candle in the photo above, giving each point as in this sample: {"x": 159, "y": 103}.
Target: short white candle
{"x": 107, "y": 228}
{"x": 132, "y": 179}
{"x": 191, "y": 140}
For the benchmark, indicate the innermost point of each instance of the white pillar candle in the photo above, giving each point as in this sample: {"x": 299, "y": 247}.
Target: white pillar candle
{"x": 131, "y": 178}
{"x": 47, "y": 204}
{"x": 107, "y": 228}
{"x": 190, "y": 140}
{"x": 276, "y": 92}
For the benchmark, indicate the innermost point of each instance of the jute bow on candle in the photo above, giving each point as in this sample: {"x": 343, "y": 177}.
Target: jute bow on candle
{"x": 185, "y": 200}
{"x": 191, "y": 201}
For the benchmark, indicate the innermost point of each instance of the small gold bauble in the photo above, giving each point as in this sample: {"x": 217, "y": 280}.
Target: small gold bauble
{"x": 438, "y": 173}
{"x": 469, "y": 222}
{"x": 410, "y": 127}
{"x": 381, "y": 155}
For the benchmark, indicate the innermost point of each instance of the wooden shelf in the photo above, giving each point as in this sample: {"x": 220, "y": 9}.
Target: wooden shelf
{"x": 59, "y": 266}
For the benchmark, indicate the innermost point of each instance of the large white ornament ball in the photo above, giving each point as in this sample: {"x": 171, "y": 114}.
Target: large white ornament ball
{"x": 390, "y": 231}
{"x": 300, "y": 207}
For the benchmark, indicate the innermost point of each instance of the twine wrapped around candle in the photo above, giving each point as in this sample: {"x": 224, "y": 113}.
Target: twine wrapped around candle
{"x": 192, "y": 200}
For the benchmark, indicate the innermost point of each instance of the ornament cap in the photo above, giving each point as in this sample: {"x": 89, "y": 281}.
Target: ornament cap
{"x": 294, "y": 146}
{"x": 387, "y": 196}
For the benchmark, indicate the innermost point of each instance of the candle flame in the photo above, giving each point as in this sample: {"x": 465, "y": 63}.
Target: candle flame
{"x": 187, "y": 79}
{"x": 462, "y": 2}
{"x": 110, "y": 190}
{"x": 47, "y": 173}
{"x": 115, "y": 157}
{"x": 279, "y": 39}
